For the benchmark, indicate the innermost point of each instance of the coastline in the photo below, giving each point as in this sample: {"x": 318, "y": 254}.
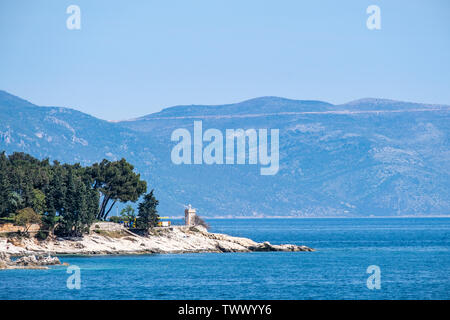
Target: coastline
{"x": 108, "y": 238}
{"x": 318, "y": 217}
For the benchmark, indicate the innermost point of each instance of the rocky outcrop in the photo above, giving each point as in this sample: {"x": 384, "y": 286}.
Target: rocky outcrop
{"x": 36, "y": 261}
{"x": 29, "y": 261}
{"x": 117, "y": 240}
{"x": 5, "y": 260}
{"x": 267, "y": 246}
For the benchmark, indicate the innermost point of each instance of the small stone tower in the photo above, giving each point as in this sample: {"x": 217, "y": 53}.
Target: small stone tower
{"x": 189, "y": 215}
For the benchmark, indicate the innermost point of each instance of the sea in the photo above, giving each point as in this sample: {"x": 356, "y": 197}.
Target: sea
{"x": 355, "y": 258}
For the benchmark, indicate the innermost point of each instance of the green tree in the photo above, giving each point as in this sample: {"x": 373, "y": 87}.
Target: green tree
{"x": 25, "y": 175}
{"x": 5, "y": 186}
{"x": 15, "y": 202}
{"x": 148, "y": 215}
{"x": 39, "y": 201}
{"x": 79, "y": 206}
{"x": 27, "y": 217}
{"x": 116, "y": 181}
{"x": 55, "y": 195}
{"x": 4, "y": 195}
{"x": 66, "y": 196}
{"x": 128, "y": 213}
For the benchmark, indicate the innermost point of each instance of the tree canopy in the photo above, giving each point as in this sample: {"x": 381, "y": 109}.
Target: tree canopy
{"x": 26, "y": 217}
{"x": 67, "y": 197}
{"x": 148, "y": 215}
{"x": 116, "y": 181}
{"x": 128, "y": 213}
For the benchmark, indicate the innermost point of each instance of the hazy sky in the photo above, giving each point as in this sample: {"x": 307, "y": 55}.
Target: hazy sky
{"x": 131, "y": 58}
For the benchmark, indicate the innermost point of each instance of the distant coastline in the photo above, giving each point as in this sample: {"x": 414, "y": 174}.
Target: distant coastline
{"x": 325, "y": 217}
{"x": 361, "y": 152}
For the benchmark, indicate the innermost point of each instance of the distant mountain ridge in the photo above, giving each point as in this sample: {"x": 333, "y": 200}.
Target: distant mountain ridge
{"x": 252, "y": 106}
{"x": 282, "y": 105}
{"x": 366, "y": 157}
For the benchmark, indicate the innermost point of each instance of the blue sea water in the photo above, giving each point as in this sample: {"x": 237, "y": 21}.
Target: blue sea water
{"x": 413, "y": 255}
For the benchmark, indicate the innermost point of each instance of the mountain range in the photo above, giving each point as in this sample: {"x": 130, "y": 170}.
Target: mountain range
{"x": 369, "y": 157}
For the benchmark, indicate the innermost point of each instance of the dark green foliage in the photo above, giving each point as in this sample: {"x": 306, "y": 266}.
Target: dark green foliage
{"x": 79, "y": 208}
{"x": 116, "y": 181}
{"x": 148, "y": 215}
{"x": 115, "y": 219}
{"x": 66, "y": 197}
{"x": 5, "y": 187}
{"x": 128, "y": 213}
{"x": 26, "y": 217}
{"x": 55, "y": 195}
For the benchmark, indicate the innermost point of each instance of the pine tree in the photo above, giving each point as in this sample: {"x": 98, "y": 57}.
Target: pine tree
{"x": 117, "y": 182}
{"x": 67, "y": 196}
{"x": 4, "y": 192}
{"x": 5, "y": 186}
{"x": 79, "y": 207}
{"x": 148, "y": 215}
{"x": 69, "y": 212}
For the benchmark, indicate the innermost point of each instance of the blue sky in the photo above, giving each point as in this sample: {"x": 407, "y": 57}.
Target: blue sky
{"x": 131, "y": 58}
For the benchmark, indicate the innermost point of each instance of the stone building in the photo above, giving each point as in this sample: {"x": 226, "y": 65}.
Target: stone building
{"x": 189, "y": 216}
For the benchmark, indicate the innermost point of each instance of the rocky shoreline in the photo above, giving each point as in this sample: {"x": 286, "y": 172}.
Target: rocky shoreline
{"x": 112, "y": 239}
{"x": 29, "y": 261}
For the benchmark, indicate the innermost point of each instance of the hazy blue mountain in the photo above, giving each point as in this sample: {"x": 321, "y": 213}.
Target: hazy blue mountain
{"x": 366, "y": 157}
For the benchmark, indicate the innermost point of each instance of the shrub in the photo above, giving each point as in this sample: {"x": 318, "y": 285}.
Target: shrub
{"x": 26, "y": 217}
{"x": 198, "y": 221}
{"x": 115, "y": 219}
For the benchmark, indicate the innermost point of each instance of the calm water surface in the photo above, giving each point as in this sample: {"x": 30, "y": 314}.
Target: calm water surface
{"x": 412, "y": 253}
